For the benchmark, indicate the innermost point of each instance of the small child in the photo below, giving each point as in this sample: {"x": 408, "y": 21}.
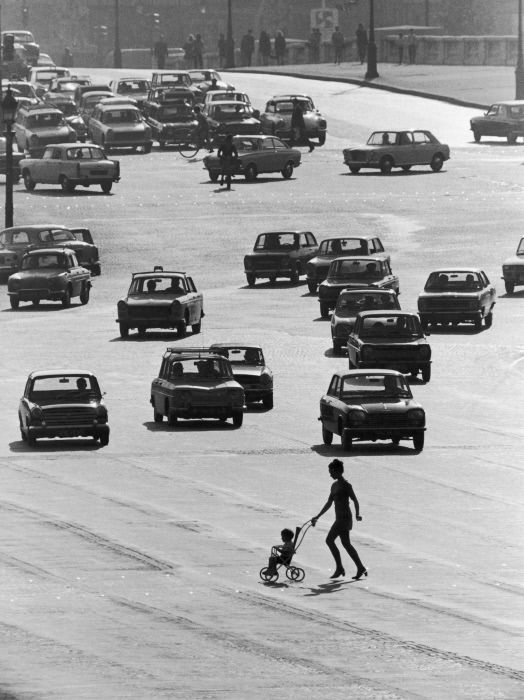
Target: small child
{"x": 281, "y": 553}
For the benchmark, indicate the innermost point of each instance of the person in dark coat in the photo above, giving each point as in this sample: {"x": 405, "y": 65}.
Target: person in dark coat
{"x": 362, "y": 42}
{"x": 298, "y": 127}
{"x": 198, "y": 52}
{"x": 160, "y": 51}
{"x": 337, "y": 39}
{"x": 315, "y": 39}
{"x": 67, "y": 58}
{"x": 189, "y": 51}
{"x": 222, "y": 46}
{"x": 264, "y": 47}
{"x": 228, "y": 155}
{"x": 247, "y": 47}
{"x": 280, "y": 47}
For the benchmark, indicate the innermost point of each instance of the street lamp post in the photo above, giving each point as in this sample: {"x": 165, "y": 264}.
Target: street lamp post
{"x": 371, "y": 72}
{"x": 230, "y": 42}
{"x": 117, "y": 53}
{"x": 519, "y": 70}
{"x": 9, "y": 105}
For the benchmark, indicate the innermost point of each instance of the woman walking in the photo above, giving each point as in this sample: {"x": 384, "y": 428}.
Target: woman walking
{"x": 228, "y": 155}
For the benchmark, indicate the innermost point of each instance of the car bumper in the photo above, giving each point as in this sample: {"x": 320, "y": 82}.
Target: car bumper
{"x": 38, "y": 294}
{"x": 257, "y": 394}
{"x": 66, "y": 431}
{"x": 450, "y": 316}
{"x": 128, "y": 143}
{"x": 274, "y": 272}
{"x": 403, "y": 366}
{"x": 189, "y": 412}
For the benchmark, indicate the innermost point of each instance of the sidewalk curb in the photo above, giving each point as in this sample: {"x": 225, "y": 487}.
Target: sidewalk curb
{"x": 368, "y": 84}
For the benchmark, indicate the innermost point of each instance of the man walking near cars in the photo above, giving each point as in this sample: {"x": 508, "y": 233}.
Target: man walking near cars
{"x": 247, "y": 47}
{"x": 337, "y": 40}
{"x": 160, "y": 51}
{"x": 298, "y": 127}
{"x": 362, "y": 42}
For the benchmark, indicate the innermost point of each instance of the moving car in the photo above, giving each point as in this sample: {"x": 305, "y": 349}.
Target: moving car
{"x": 227, "y": 95}
{"x": 36, "y": 126}
{"x": 17, "y": 240}
{"x": 280, "y": 254}
{"x": 41, "y": 76}
{"x": 67, "y": 85}
{"x": 355, "y": 272}
{"x": 350, "y": 303}
{"x": 49, "y": 273}
{"x": 89, "y": 100}
{"x": 66, "y": 104}
{"x": 134, "y": 87}
{"x": 21, "y": 89}
{"x": 457, "y": 295}
{"x": 250, "y": 370}
{"x": 231, "y": 117}
{"x": 82, "y": 89}
{"x": 392, "y": 340}
{"x": 119, "y": 126}
{"x": 371, "y": 404}
{"x": 503, "y": 119}
{"x": 161, "y": 299}
{"x": 171, "y": 121}
{"x": 203, "y": 77}
{"x": 69, "y": 165}
{"x": 331, "y": 248}
{"x": 196, "y": 383}
{"x": 386, "y": 150}
{"x": 258, "y": 155}
{"x": 61, "y": 403}
{"x": 513, "y": 269}
{"x": 276, "y": 119}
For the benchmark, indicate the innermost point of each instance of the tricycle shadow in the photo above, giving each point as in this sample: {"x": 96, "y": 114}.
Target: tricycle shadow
{"x": 393, "y": 173}
{"x": 47, "y": 446}
{"x": 60, "y": 193}
{"x": 364, "y": 449}
{"x": 150, "y": 336}
{"x": 186, "y": 426}
{"x": 284, "y": 284}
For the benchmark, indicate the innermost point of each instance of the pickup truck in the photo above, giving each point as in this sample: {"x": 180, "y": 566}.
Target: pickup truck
{"x": 69, "y": 165}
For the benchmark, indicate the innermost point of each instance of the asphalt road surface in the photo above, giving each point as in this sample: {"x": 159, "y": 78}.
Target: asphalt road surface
{"x": 131, "y": 571}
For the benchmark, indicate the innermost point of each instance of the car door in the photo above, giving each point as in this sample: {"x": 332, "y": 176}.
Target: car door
{"x": 76, "y": 274}
{"x": 390, "y": 281}
{"x": 308, "y": 247}
{"x": 424, "y": 149}
{"x": 194, "y": 301}
{"x": 488, "y": 293}
{"x": 160, "y": 389}
{"x": 492, "y": 124}
{"x": 328, "y": 412}
{"x": 354, "y": 344}
{"x": 95, "y": 126}
{"x": 405, "y": 151}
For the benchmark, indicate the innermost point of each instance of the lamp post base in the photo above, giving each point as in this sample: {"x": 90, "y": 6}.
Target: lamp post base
{"x": 372, "y": 72}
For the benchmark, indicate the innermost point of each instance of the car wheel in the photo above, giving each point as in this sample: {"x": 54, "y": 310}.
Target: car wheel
{"x": 436, "y": 162}
{"x": 477, "y": 135}
{"x": 424, "y": 322}
{"x": 29, "y": 183}
{"x": 287, "y": 170}
{"x": 251, "y": 279}
{"x": 31, "y": 441}
{"x": 162, "y": 145}
{"x": 124, "y": 329}
{"x": 406, "y": 168}
{"x": 158, "y": 417}
{"x": 294, "y": 276}
{"x": 172, "y": 418}
{"x": 312, "y": 286}
{"x": 327, "y": 436}
{"x": 213, "y": 175}
{"x": 512, "y": 138}
{"x": 510, "y": 287}
{"x": 354, "y": 169}
{"x": 251, "y": 172}
{"x": 197, "y": 327}
{"x": 478, "y": 324}
{"x": 324, "y": 310}
{"x": 395, "y": 441}
{"x": 146, "y": 148}
{"x": 267, "y": 401}
{"x": 66, "y": 299}
{"x": 272, "y": 279}
{"x": 66, "y": 184}
{"x": 84, "y": 296}
{"x": 141, "y": 330}
{"x": 14, "y": 301}
{"x": 322, "y": 139}
{"x": 346, "y": 440}
{"x": 106, "y": 187}
{"x": 488, "y": 321}
{"x": 181, "y": 328}
{"x": 418, "y": 441}
{"x": 35, "y": 302}
{"x": 414, "y": 373}
{"x": 426, "y": 374}
{"x": 104, "y": 438}
{"x": 386, "y": 165}
{"x": 238, "y": 418}
{"x": 337, "y": 346}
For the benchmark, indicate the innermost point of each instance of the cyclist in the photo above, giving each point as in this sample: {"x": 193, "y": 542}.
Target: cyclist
{"x": 201, "y": 130}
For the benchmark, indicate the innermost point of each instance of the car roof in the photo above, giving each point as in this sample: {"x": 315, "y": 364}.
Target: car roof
{"x": 455, "y": 269}
{"x": 509, "y": 103}
{"x": 59, "y": 373}
{"x": 60, "y": 250}
{"x": 265, "y": 233}
{"x": 189, "y": 353}
{"x": 290, "y": 96}
{"x": 217, "y": 103}
{"x": 73, "y": 144}
{"x": 357, "y": 372}
{"x": 35, "y": 227}
{"x": 369, "y": 237}
{"x": 159, "y": 273}
{"x": 377, "y": 257}
{"x": 39, "y": 108}
{"x": 367, "y": 290}
{"x": 106, "y": 106}
{"x": 236, "y": 345}
{"x": 386, "y": 312}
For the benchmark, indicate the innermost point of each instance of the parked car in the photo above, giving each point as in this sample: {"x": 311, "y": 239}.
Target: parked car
{"x": 16, "y": 158}
{"x": 83, "y": 88}
{"x": 66, "y": 104}
{"x": 17, "y": 240}
{"x": 70, "y": 165}
{"x": 513, "y": 269}
{"x": 457, "y": 295}
{"x": 371, "y": 404}
{"x": 227, "y": 95}
{"x": 134, "y": 87}
{"x": 230, "y": 117}
{"x": 280, "y": 254}
{"x": 392, "y": 340}
{"x": 119, "y": 126}
{"x": 37, "y": 126}
{"x": 373, "y": 272}
{"x": 67, "y": 85}
{"x": 250, "y": 370}
{"x": 90, "y": 100}
{"x": 350, "y": 303}
{"x": 161, "y": 299}
{"x": 171, "y": 122}
{"x": 503, "y": 119}
{"x": 49, "y": 273}
{"x": 61, "y": 403}
{"x": 258, "y": 155}
{"x": 203, "y": 77}
{"x": 331, "y": 248}
{"x": 276, "y": 119}
{"x": 196, "y": 383}
{"x": 386, "y": 150}
{"x": 21, "y": 89}
{"x": 41, "y": 76}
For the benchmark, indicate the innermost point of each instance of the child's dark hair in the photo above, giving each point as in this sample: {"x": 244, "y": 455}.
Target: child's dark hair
{"x": 337, "y": 466}
{"x": 287, "y": 534}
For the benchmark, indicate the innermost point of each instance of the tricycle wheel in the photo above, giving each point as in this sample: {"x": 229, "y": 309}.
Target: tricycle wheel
{"x": 268, "y": 577}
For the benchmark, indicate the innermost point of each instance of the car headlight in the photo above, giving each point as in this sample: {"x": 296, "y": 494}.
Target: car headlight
{"x": 367, "y": 352}
{"x": 356, "y": 417}
{"x": 37, "y": 414}
{"x": 266, "y": 379}
{"x": 110, "y": 133}
{"x": 14, "y": 285}
{"x": 248, "y": 263}
{"x": 101, "y": 414}
{"x": 424, "y": 352}
{"x": 422, "y": 304}
{"x": 122, "y": 308}
{"x": 416, "y": 416}
{"x": 310, "y": 268}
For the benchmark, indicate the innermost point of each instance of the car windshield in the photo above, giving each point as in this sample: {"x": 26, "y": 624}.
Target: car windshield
{"x": 288, "y": 106}
{"x": 85, "y": 153}
{"x": 45, "y": 121}
{"x": 22, "y": 37}
{"x": 46, "y": 76}
{"x": 350, "y": 304}
{"x": 359, "y": 269}
{"x": 343, "y": 246}
{"x": 170, "y": 79}
{"x": 45, "y": 261}
{"x": 56, "y": 236}
{"x": 229, "y": 112}
{"x": 217, "y": 96}
{"x": 24, "y": 89}
{"x": 176, "y": 111}
{"x": 128, "y": 87}
{"x": 376, "y": 385}
{"x": 277, "y": 241}
{"x": 242, "y": 355}
{"x": 67, "y": 108}
{"x": 70, "y": 388}
{"x": 199, "y": 369}
{"x": 125, "y": 116}
{"x": 391, "y": 326}
{"x": 451, "y": 281}
{"x": 158, "y": 285}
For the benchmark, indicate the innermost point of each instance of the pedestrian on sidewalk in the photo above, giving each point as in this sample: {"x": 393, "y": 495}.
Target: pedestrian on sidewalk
{"x": 341, "y": 493}
{"x": 362, "y": 42}
{"x": 280, "y": 47}
{"x": 264, "y": 47}
{"x": 337, "y": 40}
{"x": 198, "y": 52}
{"x": 160, "y": 51}
{"x": 189, "y": 51}
{"x": 401, "y": 45}
{"x": 221, "y": 48}
{"x": 314, "y": 45}
{"x": 247, "y": 48}
{"x": 412, "y": 46}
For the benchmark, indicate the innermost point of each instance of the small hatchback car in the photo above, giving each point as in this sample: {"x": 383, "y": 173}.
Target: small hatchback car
{"x": 350, "y": 303}
{"x": 280, "y": 254}
{"x": 61, "y": 404}
{"x": 373, "y": 404}
{"x": 513, "y": 269}
{"x": 250, "y": 370}
{"x": 503, "y": 119}
{"x": 196, "y": 383}
{"x": 36, "y": 126}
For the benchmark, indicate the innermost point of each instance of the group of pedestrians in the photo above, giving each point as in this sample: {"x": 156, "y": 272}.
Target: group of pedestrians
{"x": 407, "y": 44}
{"x": 267, "y": 49}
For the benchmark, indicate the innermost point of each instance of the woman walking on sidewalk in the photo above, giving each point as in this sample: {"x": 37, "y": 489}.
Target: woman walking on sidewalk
{"x": 341, "y": 492}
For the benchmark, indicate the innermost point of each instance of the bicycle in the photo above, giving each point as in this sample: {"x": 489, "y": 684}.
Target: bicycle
{"x": 191, "y": 147}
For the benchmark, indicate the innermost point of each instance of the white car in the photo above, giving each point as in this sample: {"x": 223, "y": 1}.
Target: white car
{"x": 220, "y": 95}
{"x": 41, "y": 76}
